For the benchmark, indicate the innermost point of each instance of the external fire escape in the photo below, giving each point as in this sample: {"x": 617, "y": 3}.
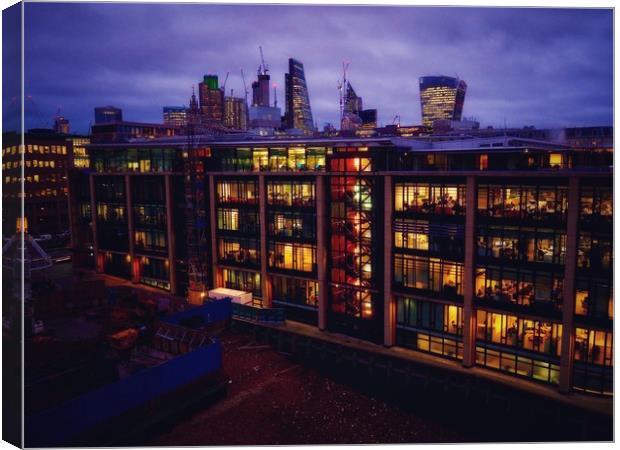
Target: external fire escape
{"x": 195, "y": 214}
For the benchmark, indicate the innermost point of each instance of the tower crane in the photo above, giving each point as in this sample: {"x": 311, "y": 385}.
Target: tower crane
{"x": 262, "y": 59}
{"x": 245, "y": 89}
{"x": 225, "y": 80}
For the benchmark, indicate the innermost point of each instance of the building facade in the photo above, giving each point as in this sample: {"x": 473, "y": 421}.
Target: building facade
{"x": 175, "y": 115}
{"x": 298, "y": 112}
{"x": 441, "y": 98}
{"x": 45, "y": 161}
{"x": 108, "y": 114}
{"x": 211, "y": 99}
{"x": 492, "y": 252}
{"x": 235, "y": 113}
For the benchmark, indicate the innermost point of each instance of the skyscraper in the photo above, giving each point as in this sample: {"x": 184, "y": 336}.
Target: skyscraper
{"x": 352, "y": 103}
{"x": 108, "y": 114}
{"x": 260, "y": 90}
{"x": 211, "y": 100}
{"x": 235, "y": 114}
{"x": 298, "y": 113}
{"x": 351, "y": 109}
{"x": 441, "y": 98}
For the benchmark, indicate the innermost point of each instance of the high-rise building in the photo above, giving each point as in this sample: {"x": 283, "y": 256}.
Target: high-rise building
{"x": 369, "y": 118}
{"x": 441, "y": 98}
{"x": 211, "y": 100}
{"x": 175, "y": 115}
{"x": 352, "y": 102}
{"x": 108, "y": 114}
{"x": 298, "y": 113}
{"x": 351, "y": 109}
{"x": 61, "y": 125}
{"x": 235, "y": 114}
{"x": 260, "y": 90}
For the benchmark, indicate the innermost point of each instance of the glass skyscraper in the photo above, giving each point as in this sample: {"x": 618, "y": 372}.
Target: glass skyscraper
{"x": 441, "y": 98}
{"x": 298, "y": 112}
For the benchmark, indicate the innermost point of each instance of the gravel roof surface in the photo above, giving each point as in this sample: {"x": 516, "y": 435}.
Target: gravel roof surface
{"x": 274, "y": 400}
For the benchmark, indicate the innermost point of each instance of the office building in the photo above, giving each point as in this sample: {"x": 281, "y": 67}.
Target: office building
{"x": 108, "y": 114}
{"x": 235, "y": 113}
{"x": 260, "y": 90}
{"x": 46, "y": 160}
{"x": 369, "y": 118}
{"x": 61, "y": 125}
{"x": 494, "y": 253}
{"x": 441, "y": 98}
{"x": 298, "y": 113}
{"x": 175, "y": 115}
{"x": 124, "y": 131}
{"x": 211, "y": 99}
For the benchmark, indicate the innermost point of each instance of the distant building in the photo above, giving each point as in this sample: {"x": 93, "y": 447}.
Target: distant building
{"x": 260, "y": 90}
{"x": 443, "y": 125}
{"x": 351, "y": 108}
{"x": 369, "y": 118}
{"x": 211, "y": 99}
{"x": 46, "y": 160}
{"x": 298, "y": 112}
{"x": 441, "y": 98}
{"x": 124, "y": 131}
{"x": 175, "y": 115}
{"x": 235, "y": 113}
{"x": 108, "y": 114}
{"x": 61, "y": 125}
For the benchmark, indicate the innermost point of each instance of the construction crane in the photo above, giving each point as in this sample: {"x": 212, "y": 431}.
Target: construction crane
{"x": 396, "y": 120}
{"x": 225, "y": 80}
{"x": 262, "y": 59}
{"x": 245, "y": 89}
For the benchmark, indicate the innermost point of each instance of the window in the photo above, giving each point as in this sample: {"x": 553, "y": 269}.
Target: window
{"x": 243, "y": 281}
{"x": 532, "y": 335}
{"x": 526, "y": 202}
{"x": 430, "y": 274}
{"x": 295, "y": 291}
{"x": 291, "y": 193}
{"x": 437, "y": 199}
{"x": 430, "y": 327}
{"x": 239, "y": 251}
{"x": 593, "y": 361}
{"x": 242, "y": 192}
{"x": 293, "y": 256}
{"x": 520, "y": 286}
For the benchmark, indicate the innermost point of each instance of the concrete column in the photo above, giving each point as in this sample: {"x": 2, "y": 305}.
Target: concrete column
{"x": 217, "y": 276}
{"x": 135, "y": 274}
{"x": 568, "y": 291}
{"x": 469, "y": 273}
{"x": 321, "y": 250}
{"x": 170, "y": 238}
{"x": 93, "y": 212}
{"x": 389, "y": 303}
{"x": 264, "y": 277}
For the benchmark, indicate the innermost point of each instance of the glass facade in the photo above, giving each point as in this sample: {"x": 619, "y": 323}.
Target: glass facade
{"x": 429, "y": 327}
{"x": 526, "y": 347}
{"x": 594, "y": 361}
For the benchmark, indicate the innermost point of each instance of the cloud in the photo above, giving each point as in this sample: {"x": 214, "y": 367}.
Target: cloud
{"x": 543, "y": 67}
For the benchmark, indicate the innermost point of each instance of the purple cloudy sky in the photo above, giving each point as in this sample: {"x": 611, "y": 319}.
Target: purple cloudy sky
{"x": 542, "y": 67}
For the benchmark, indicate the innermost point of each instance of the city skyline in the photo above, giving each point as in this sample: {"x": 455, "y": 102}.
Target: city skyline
{"x": 553, "y": 67}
